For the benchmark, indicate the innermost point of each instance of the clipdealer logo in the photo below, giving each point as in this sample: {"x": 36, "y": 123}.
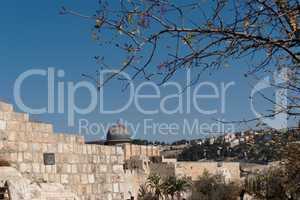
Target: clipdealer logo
{"x": 280, "y": 118}
{"x": 61, "y": 93}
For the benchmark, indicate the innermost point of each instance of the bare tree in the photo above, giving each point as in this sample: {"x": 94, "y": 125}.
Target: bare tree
{"x": 160, "y": 38}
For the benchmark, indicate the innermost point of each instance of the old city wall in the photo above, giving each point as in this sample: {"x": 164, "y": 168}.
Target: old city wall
{"x": 162, "y": 169}
{"x": 231, "y": 170}
{"x": 90, "y": 171}
{"x": 135, "y": 180}
{"x": 131, "y": 150}
{"x": 193, "y": 170}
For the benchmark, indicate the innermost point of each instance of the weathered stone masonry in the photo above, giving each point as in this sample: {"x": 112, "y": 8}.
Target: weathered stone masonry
{"x": 90, "y": 171}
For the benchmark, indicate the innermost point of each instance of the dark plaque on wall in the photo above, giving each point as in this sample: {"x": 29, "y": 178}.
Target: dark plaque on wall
{"x": 49, "y": 158}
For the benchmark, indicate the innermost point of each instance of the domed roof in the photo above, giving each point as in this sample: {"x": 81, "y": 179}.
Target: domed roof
{"x": 118, "y": 132}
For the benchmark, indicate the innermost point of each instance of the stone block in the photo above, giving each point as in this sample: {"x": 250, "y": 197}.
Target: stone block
{"x": 52, "y": 148}
{"x": 109, "y": 196}
{"x": 13, "y": 157}
{"x": 57, "y": 178}
{"x": 5, "y": 107}
{"x": 74, "y": 169}
{"x": 98, "y": 149}
{"x": 13, "y": 126}
{"x": 96, "y": 159}
{"x": 116, "y": 178}
{"x": 88, "y": 191}
{"x": 121, "y": 159}
{"x": 84, "y": 179}
{"x": 61, "y": 137}
{"x": 41, "y": 127}
{"x": 25, "y": 168}
{"x": 37, "y": 157}
{"x": 22, "y": 136}
{"x": 48, "y": 128}
{"x": 113, "y": 150}
{"x": 46, "y": 177}
{"x": 11, "y": 146}
{"x": 52, "y": 139}
{"x": 64, "y": 158}
{"x": 116, "y": 187}
{"x": 101, "y": 179}
{"x": 52, "y": 178}
{"x": 44, "y": 147}
{"x": 118, "y": 196}
{"x": 76, "y": 148}
{"x": 27, "y": 157}
{"x": 107, "y": 150}
{"x": 23, "y": 146}
{"x": 107, "y": 159}
{"x": 2, "y": 125}
{"x": 74, "y": 159}
{"x": 89, "y": 149}
{"x": 94, "y": 149}
{"x": 36, "y": 147}
{"x": 54, "y": 169}
{"x": 1, "y": 144}
{"x": 60, "y": 147}
{"x": 80, "y": 139}
{"x": 103, "y": 168}
{"x": 119, "y": 150}
{"x": 95, "y": 188}
{"x": 48, "y": 169}
{"x": 84, "y": 149}
{"x": 89, "y": 168}
{"x": 117, "y": 168}
{"x": 36, "y": 168}
{"x": 28, "y": 127}
{"x": 91, "y": 178}
{"x": 12, "y": 136}
{"x": 12, "y": 116}
{"x": 20, "y": 157}
{"x": 59, "y": 169}
{"x": 42, "y": 168}
{"x": 114, "y": 160}
{"x": 67, "y": 148}
{"x": 75, "y": 179}
{"x": 67, "y": 168}
{"x": 107, "y": 187}
{"x": 64, "y": 179}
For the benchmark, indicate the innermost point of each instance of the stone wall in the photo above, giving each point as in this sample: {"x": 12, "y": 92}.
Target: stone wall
{"x": 230, "y": 170}
{"x": 134, "y": 179}
{"x": 163, "y": 169}
{"x": 90, "y": 171}
{"x": 131, "y": 150}
{"x": 193, "y": 170}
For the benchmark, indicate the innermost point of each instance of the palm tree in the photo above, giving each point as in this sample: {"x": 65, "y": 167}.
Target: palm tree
{"x": 155, "y": 183}
{"x": 145, "y": 194}
{"x": 174, "y": 186}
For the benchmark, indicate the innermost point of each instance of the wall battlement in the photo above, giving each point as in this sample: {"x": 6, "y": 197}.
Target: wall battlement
{"x": 90, "y": 171}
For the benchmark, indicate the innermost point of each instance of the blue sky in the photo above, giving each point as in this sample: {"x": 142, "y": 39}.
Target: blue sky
{"x": 34, "y": 36}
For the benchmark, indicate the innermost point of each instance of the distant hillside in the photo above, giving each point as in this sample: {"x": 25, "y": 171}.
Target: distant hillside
{"x": 258, "y": 147}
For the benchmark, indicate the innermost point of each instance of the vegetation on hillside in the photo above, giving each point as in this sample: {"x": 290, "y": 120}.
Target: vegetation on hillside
{"x": 281, "y": 182}
{"x": 265, "y": 147}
